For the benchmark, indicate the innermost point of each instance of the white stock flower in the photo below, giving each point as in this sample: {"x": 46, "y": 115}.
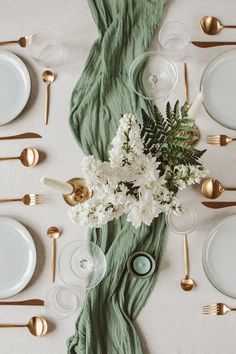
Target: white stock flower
{"x": 130, "y": 182}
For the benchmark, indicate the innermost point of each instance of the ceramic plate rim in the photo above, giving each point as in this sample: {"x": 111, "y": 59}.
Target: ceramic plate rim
{"x": 16, "y": 224}
{"x": 201, "y": 85}
{"x": 25, "y": 71}
{"x": 222, "y": 220}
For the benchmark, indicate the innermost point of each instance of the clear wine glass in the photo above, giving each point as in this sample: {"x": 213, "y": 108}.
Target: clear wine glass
{"x": 44, "y": 48}
{"x": 61, "y": 302}
{"x": 174, "y": 39}
{"x": 82, "y": 264}
{"x": 153, "y": 76}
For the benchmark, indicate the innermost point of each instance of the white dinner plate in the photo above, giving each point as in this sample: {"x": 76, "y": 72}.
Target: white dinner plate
{"x": 218, "y": 86}
{"x": 219, "y": 256}
{"x": 17, "y": 257}
{"x": 15, "y": 86}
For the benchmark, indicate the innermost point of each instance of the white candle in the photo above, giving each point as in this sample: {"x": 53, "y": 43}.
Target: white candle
{"x": 64, "y": 188}
{"x": 196, "y": 106}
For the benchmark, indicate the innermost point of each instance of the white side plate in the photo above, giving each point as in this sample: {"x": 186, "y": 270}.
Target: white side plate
{"x": 15, "y": 86}
{"x": 218, "y": 86}
{"x": 17, "y": 257}
{"x": 219, "y": 256}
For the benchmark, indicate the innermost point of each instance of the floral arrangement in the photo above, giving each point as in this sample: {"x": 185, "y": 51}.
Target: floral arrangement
{"x": 146, "y": 168}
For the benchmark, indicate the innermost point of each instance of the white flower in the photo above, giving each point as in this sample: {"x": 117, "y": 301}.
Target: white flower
{"x": 130, "y": 183}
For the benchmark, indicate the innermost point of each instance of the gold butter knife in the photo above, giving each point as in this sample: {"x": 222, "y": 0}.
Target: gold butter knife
{"x": 218, "y": 205}
{"x": 211, "y": 44}
{"x": 30, "y": 302}
{"x": 21, "y": 136}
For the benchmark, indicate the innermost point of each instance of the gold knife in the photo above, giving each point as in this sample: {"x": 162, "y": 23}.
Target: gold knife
{"x": 21, "y": 136}
{"x": 218, "y": 205}
{"x": 211, "y": 44}
{"x": 30, "y": 302}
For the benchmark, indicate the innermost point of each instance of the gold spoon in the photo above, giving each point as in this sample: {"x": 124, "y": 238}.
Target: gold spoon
{"x": 53, "y": 233}
{"x": 187, "y": 283}
{"x": 37, "y": 326}
{"x": 48, "y": 77}
{"x": 211, "y": 188}
{"x": 29, "y": 157}
{"x": 22, "y": 41}
{"x": 211, "y": 25}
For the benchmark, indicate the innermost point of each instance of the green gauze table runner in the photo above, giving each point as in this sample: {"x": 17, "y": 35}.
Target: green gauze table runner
{"x": 100, "y": 97}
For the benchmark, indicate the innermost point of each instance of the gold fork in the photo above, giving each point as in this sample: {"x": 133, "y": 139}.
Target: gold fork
{"x": 216, "y": 309}
{"x": 28, "y": 199}
{"x": 221, "y": 140}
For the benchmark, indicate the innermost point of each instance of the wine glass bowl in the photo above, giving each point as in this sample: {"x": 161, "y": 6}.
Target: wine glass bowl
{"x": 82, "y": 264}
{"x": 183, "y": 223}
{"x": 153, "y": 76}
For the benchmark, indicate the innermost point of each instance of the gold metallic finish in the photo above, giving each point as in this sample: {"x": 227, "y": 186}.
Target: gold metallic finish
{"x": 216, "y": 309}
{"x": 211, "y": 44}
{"x": 211, "y": 188}
{"x": 195, "y": 133}
{"x": 220, "y": 140}
{"x": 187, "y": 283}
{"x": 21, "y": 136}
{"x": 48, "y": 77}
{"x": 218, "y": 205}
{"x": 53, "y": 233}
{"x": 30, "y": 302}
{"x": 28, "y": 199}
{"x": 22, "y": 41}
{"x": 37, "y": 326}
{"x": 211, "y": 25}
{"x": 186, "y": 89}
{"x": 29, "y": 157}
{"x": 80, "y": 194}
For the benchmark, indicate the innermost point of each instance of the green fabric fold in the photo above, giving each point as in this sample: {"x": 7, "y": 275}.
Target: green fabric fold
{"x": 100, "y": 97}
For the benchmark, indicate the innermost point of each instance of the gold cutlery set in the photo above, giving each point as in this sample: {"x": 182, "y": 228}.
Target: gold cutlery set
{"x": 29, "y": 158}
{"x": 211, "y": 26}
{"x": 211, "y": 188}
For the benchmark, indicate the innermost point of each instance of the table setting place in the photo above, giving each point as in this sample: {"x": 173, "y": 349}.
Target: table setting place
{"x": 149, "y": 171}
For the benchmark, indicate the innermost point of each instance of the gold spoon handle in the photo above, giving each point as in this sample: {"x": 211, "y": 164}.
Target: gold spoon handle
{"x": 8, "y": 42}
{"x": 201, "y": 44}
{"x": 10, "y": 200}
{"x": 186, "y": 256}
{"x": 53, "y": 260}
{"x": 186, "y": 89}
{"x": 8, "y": 158}
{"x": 47, "y": 99}
{"x": 21, "y": 136}
{"x": 229, "y": 26}
{"x": 30, "y": 302}
{"x": 12, "y": 325}
{"x": 230, "y": 189}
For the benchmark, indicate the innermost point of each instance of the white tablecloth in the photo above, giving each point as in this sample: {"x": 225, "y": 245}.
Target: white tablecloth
{"x": 171, "y": 322}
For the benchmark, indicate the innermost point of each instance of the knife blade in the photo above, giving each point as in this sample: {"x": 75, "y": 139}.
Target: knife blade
{"x": 218, "y": 205}
{"x": 30, "y": 302}
{"x": 211, "y": 44}
{"x": 21, "y": 136}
